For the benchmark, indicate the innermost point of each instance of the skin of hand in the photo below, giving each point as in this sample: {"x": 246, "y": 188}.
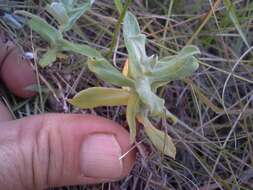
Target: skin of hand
{"x": 53, "y": 150}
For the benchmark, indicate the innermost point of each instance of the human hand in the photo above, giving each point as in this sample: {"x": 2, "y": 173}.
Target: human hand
{"x": 55, "y": 149}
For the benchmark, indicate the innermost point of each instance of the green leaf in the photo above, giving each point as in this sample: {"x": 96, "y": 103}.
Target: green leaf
{"x": 135, "y": 44}
{"x": 186, "y": 52}
{"x": 154, "y": 103}
{"x": 130, "y": 26}
{"x": 68, "y": 12}
{"x": 232, "y": 15}
{"x": 132, "y": 110}
{"x": 189, "y": 50}
{"x": 118, "y": 5}
{"x": 105, "y": 71}
{"x": 48, "y": 58}
{"x": 162, "y": 141}
{"x": 137, "y": 53}
{"x": 175, "y": 67}
{"x": 79, "y": 48}
{"x": 68, "y": 3}
{"x": 100, "y": 96}
{"x": 76, "y": 13}
{"x": 58, "y": 11}
{"x": 40, "y": 26}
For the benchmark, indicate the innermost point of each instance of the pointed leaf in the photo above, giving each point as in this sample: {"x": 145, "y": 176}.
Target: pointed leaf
{"x": 135, "y": 44}
{"x": 75, "y": 14}
{"x": 58, "y": 11}
{"x": 108, "y": 73}
{"x": 79, "y": 48}
{"x": 67, "y": 13}
{"x": 162, "y": 141}
{"x": 175, "y": 72}
{"x": 176, "y": 67}
{"x": 48, "y": 58}
{"x": 100, "y": 96}
{"x": 137, "y": 53}
{"x": 186, "y": 52}
{"x": 132, "y": 110}
{"x": 130, "y": 26}
{"x": 40, "y": 26}
{"x": 189, "y": 50}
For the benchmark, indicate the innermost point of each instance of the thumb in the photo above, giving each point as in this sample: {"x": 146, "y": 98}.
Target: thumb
{"x": 4, "y": 113}
{"x": 59, "y": 149}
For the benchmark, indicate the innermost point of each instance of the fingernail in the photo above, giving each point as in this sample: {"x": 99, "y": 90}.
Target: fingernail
{"x": 100, "y": 155}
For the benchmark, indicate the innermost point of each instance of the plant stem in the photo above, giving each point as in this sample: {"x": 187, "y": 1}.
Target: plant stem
{"x": 118, "y": 26}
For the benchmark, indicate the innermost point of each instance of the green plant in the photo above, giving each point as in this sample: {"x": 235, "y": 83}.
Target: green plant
{"x": 139, "y": 84}
{"x": 66, "y": 13}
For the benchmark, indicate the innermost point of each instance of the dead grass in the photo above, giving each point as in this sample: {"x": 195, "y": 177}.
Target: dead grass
{"x": 215, "y": 148}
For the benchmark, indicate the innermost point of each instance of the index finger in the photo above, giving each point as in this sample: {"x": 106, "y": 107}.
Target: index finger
{"x": 15, "y": 71}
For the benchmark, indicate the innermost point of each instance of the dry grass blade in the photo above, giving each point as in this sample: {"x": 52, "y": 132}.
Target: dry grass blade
{"x": 231, "y": 12}
{"x": 214, "y": 134}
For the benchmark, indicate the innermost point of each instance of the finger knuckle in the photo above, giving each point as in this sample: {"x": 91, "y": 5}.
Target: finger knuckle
{"x": 47, "y": 154}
